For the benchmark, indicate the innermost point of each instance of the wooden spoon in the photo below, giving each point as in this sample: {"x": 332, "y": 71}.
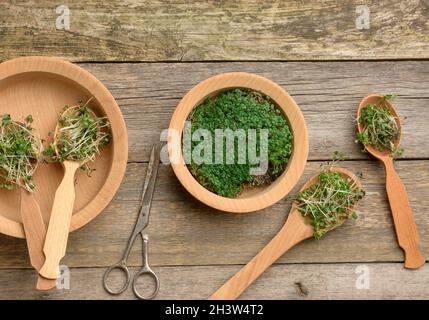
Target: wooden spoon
{"x": 35, "y": 233}
{"x": 34, "y": 226}
{"x": 296, "y": 229}
{"x": 406, "y": 230}
{"x": 62, "y": 209}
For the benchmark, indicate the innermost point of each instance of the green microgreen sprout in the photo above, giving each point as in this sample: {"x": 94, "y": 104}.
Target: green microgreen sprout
{"x": 79, "y": 136}
{"x": 241, "y": 109}
{"x": 380, "y": 128}
{"x": 20, "y": 151}
{"x": 329, "y": 202}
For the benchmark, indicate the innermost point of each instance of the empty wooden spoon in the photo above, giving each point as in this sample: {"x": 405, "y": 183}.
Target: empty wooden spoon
{"x": 405, "y": 226}
{"x": 72, "y": 158}
{"x": 35, "y": 233}
{"x": 296, "y": 229}
{"x": 32, "y": 220}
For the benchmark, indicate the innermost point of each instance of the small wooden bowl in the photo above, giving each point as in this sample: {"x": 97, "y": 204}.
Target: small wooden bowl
{"x": 41, "y": 86}
{"x": 251, "y": 199}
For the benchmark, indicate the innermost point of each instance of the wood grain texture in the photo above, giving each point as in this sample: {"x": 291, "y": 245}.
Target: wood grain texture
{"x": 35, "y": 233}
{"x": 289, "y": 282}
{"x": 185, "y": 232}
{"x": 328, "y": 94}
{"x": 255, "y": 198}
{"x": 230, "y": 30}
{"x": 59, "y": 222}
{"x": 296, "y": 229}
{"x": 402, "y": 213}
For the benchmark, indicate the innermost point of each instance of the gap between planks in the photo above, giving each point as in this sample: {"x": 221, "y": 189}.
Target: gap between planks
{"x": 301, "y": 281}
{"x": 185, "y": 232}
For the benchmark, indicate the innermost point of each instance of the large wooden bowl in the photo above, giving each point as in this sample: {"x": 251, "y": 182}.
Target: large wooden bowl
{"x": 251, "y": 199}
{"x": 41, "y": 86}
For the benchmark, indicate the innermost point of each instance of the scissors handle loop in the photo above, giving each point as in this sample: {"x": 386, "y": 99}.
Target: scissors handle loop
{"x": 148, "y": 272}
{"x": 121, "y": 265}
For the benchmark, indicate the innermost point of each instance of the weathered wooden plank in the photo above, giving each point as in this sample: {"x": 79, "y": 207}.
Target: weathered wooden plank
{"x": 185, "y": 232}
{"x": 230, "y": 30}
{"x": 289, "y": 282}
{"x": 328, "y": 94}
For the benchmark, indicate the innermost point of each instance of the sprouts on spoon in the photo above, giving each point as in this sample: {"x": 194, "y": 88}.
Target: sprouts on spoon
{"x": 329, "y": 201}
{"x": 380, "y": 129}
{"x": 20, "y": 151}
{"x": 79, "y": 135}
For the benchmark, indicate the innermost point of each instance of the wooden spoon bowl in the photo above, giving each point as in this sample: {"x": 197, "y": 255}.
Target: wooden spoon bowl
{"x": 296, "y": 229}
{"x": 58, "y": 128}
{"x": 346, "y": 174}
{"x": 405, "y": 226}
{"x": 251, "y": 199}
{"x": 377, "y": 100}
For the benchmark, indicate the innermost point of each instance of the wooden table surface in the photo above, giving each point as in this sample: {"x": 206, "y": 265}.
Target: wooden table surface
{"x": 149, "y": 54}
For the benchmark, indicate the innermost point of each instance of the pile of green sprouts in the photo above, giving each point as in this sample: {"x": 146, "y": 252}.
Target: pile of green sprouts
{"x": 20, "y": 150}
{"x": 380, "y": 129}
{"x": 241, "y": 109}
{"x": 329, "y": 202}
{"x": 79, "y": 136}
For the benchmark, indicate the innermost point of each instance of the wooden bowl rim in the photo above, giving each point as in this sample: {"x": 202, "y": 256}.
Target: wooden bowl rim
{"x": 104, "y": 98}
{"x": 283, "y": 184}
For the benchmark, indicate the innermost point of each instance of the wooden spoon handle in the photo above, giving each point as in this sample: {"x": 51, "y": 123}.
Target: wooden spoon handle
{"x": 44, "y": 284}
{"x": 294, "y": 231}
{"x": 59, "y": 223}
{"x": 35, "y": 233}
{"x": 406, "y": 230}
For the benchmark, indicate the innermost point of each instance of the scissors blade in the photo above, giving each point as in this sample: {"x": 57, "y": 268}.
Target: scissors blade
{"x": 148, "y": 189}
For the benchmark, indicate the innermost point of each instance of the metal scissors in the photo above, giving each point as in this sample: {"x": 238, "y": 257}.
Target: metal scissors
{"x": 141, "y": 224}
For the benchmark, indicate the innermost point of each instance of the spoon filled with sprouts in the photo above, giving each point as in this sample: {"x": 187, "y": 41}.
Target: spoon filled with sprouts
{"x": 324, "y": 203}
{"x": 78, "y": 137}
{"x": 20, "y": 153}
{"x": 380, "y": 131}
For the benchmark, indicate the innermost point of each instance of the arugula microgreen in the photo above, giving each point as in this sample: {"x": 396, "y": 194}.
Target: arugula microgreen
{"x": 329, "y": 201}
{"x": 79, "y": 136}
{"x": 20, "y": 150}
{"x": 380, "y": 128}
